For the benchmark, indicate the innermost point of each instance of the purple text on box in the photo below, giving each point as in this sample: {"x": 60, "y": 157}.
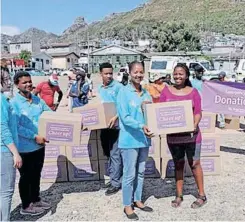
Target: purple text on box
{"x": 51, "y": 172}
{"x": 208, "y": 146}
{"x": 205, "y": 122}
{"x": 59, "y": 132}
{"x": 90, "y": 117}
{"x": 84, "y": 150}
{"x": 170, "y": 117}
{"x": 52, "y": 151}
{"x": 150, "y": 167}
{"x": 170, "y": 167}
{"x": 207, "y": 165}
{"x": 83, "y": 171}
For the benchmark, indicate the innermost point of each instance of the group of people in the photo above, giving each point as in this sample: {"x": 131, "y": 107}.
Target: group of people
{"x": 126, "y": 141}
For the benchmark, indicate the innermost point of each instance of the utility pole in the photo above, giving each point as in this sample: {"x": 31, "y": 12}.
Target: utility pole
{"x": 88, "y": 49}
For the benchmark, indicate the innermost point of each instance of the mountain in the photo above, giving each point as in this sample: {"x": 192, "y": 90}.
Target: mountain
{"x": 226, "y": 16}
{"x": 30, "y": 34}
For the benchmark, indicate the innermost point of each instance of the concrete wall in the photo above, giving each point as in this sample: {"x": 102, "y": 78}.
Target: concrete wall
{"x": 18, "y": 47}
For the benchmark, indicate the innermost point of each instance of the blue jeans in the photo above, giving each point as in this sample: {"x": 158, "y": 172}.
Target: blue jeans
{"x": 8, "y": 174}
{"x": 115, "y": 166}
{"x": 133, "y": 174}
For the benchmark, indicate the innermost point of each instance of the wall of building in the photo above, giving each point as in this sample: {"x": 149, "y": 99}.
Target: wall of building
{"x": 59, "y": 62}
{"x": 17, "y": 48}
{"x": 56, "y": 50}
{"x": 45, "y": 60}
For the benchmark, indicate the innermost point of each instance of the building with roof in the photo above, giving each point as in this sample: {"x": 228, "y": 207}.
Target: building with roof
{"x": 64, "y": 60}
{"x": 55, "y": 48}
{"x": 31, "y": 46}
{"x": 117, "y": 55}
{"x": 41, "y": 61}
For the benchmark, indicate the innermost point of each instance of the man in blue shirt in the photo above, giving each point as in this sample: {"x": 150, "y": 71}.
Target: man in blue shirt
{"x": 29, "y": 108}
{"x": 198, "y": 81}
{"x": 109, "y": 137}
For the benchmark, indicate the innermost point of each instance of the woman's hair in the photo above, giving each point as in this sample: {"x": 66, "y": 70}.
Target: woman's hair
{"x": 187, "y": 71}
{"x": 132, "y": 64}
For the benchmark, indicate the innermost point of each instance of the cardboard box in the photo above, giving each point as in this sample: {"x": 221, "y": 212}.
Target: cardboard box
{"x": 208, "y": 122}
{"x": 87, "y": 135}
{"x": 232, "y": 122}
{"x": 154, "y": 150}
{"x": 60, "y": 129}
{"x": 96, "y": 116}
{"x": 210, "y": 166}
{"x": 153, "y": 168}
{"x": 85, "y": 151}
{"x": 169, "y": 117}
{"x": 210, "y": 145}
{"x": 55, "y": 153}
{"x": 104, "y": 172}
{"x": 83, "y": 170}
{"x": 54, "y": 172}
{"x": 101, "y": 154}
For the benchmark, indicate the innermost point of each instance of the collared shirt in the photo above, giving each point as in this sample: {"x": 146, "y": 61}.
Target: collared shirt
{"x": 131, "y": 118}
{"x": 78, "y": 102}
{"x": 28, "y": 116}
{"x": 9, "y": 132}
{"x": 197, "y": 84}
{"x": 109, "y": 93}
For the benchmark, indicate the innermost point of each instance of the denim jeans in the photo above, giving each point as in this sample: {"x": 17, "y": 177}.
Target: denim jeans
{"x": 133, "y": 174}
{"x": 109, "y": 141}
{"x": 8, "y": 174}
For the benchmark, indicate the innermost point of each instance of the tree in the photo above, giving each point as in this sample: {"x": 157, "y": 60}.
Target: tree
{"x": 26, "y": 56}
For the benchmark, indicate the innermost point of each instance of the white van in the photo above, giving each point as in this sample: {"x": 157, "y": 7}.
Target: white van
{"x": 240, "y": 70}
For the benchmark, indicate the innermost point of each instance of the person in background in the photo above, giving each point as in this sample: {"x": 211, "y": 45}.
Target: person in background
{"x": 79, "y": 90}
{"x": 71, "y": 80}
{"x": 29, "y": 108}
{"x": 198, "y": 81}
{"x": 108, "y": 92}
{"x": 6, "y": 81}
{"x": 134, "y": 140}
{"x": 156, "y": 87}
{"x": 221, "y": 117}
{"x": 189, "y": 144}
{"x": 125, "y": 78}
{"x": 90, "y": 83}
{"x": 10, "y": 158}
{"x": 47, "y": 90}
{"x": 168, "y": 79}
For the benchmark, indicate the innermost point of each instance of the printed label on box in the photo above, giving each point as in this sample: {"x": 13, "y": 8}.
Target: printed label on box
{"x": 150, "y": 167}
{"x": 90, "y": 117}
{"x": 52, "y": 151}
{"x": 170, "y": 117}
{"x": 170, "y": 167}
{"x": 59, "y": 132}
{"x": 51, "y": 172}
{"x": 208, "y": 146}
{"x": 83, "y": 150}
{"x": 207, "y": 165}
{"x": 85, "y": 133}
{"x": 205, "y": 122}
{"x": 85, "y": 171}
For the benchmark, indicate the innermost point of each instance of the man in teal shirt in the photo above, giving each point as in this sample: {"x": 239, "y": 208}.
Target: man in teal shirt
{"x": 29, "y": 108}
{"x": 109, "y": 137}
{"x": 198, "y": 81}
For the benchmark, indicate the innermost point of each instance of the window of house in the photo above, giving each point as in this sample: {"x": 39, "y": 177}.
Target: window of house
{"x": 47, "y": 62}
{"x": 118, "y": 58}
{"x": 17, "y": 46}
{"x": 68, "y": 60}
{"x": 37, "y": 59}
{"x": 135, "y": 58}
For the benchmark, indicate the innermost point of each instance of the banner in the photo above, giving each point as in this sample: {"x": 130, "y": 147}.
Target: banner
{"x": 224, "y": 97}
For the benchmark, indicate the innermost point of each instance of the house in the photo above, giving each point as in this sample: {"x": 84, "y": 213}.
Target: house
{"x": 55, "y": 48}
{"x": 31, "y": 46}
{"x": 41, "y": 61}
{"x": 4, "y": 48}
{"x": 117, "y": 55}
{"x": 64, "y": 60}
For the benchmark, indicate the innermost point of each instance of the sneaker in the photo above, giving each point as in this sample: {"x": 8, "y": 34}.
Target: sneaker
{"x": 112, "y": 190}
{"x": 42, "y": 204}
{"x": 31, "y": 210}
{"x": 107, "y": 185}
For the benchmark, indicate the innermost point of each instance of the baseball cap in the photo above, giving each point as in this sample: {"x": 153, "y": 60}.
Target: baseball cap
{"x": 54, "y": 80}
{"x": 199, "y": 68}
{"x": 222, "y": 74}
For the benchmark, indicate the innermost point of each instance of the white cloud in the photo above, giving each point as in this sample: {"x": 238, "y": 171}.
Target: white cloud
{"x": 10, "y": 30}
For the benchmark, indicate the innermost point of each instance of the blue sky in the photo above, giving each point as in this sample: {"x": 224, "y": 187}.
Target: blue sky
{"x": 56, "y": 15}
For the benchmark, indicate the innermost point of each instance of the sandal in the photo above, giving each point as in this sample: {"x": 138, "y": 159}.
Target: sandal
{"x": 200, "y": 201}
{"x": 177, "y": 202}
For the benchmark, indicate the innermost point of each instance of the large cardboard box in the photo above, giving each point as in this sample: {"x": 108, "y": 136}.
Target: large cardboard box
{"x": 154, "y": 150}
{"x": 153, "y": 168}
{"x": 83, "y": 170}
{"x": 232, "y": 122}
{"x": 101, "y": 154}
{"x": 210, "y": 144}
{"x": 104, "y": 170}
{"x": 59, "y": 129}
{"x": 54, "y": 172}
{"x": 85, "y": 151}
{"x": 169, "y": 117}
{"x": 55, "y": 153}
{"x": 210, "y": 166}
{"x": 96, "y": 116}
{"x": 87, "y": 135}
{"x": 207, "y": 123}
